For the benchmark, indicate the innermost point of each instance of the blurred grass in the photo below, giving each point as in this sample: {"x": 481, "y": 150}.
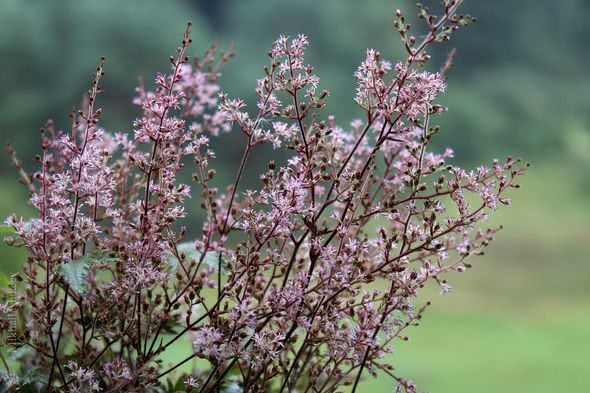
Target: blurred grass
{"x": 519, "y": 320}
{"x": 496, "y": 352}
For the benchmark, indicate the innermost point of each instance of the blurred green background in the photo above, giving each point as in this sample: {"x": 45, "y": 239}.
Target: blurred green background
{"x": 520, "y": 320}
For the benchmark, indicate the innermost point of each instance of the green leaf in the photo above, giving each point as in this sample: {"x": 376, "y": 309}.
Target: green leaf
{"x": 28, "y": 379}
{"x": 34, "y": 379}
{"x": 75, "y": 272}
{"x": 16, "y": 355}
{"x": 191, "y": 252}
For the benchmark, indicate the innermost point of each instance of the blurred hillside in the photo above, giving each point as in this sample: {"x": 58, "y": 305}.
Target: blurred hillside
{"x": 517, "y": 87}
{"x": 519, "y": 79}
{"x": 517, "y": 323}
{"x": 49, "y": 51}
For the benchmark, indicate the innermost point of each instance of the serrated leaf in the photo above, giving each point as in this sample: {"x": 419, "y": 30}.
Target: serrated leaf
{"x": 18, "y": 354}
{"x": 190, "y": 251}
{"x": 75, "y": 272}
{"x": 28, "y": 380}
{"x": 34, "y": 378}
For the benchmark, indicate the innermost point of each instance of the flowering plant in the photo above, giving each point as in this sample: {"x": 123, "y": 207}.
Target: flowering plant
{"x": 303, "y": 284}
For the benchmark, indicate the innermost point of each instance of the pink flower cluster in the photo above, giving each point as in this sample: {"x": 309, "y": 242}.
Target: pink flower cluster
{"x": 302, "y": 284}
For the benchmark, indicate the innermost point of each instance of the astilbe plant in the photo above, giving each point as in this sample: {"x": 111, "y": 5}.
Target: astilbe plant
{"x": 302, "y": 285}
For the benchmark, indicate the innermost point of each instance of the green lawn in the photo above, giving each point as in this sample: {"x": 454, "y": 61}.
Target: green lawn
{"x": 490, "y": 352}
{"x": 519, "y": 321}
